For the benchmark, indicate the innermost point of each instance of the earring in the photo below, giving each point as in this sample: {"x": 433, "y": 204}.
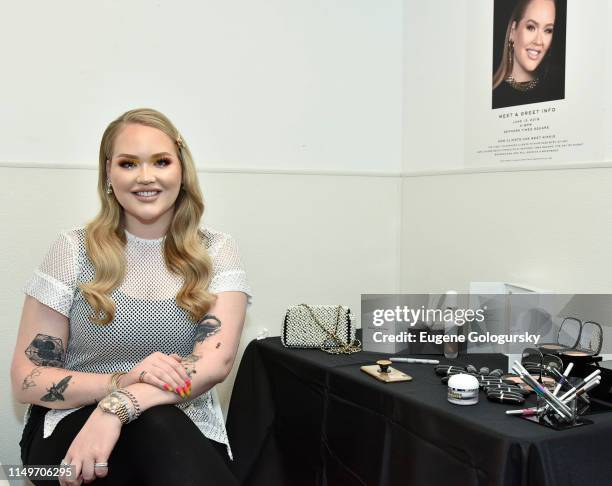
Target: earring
{"x": 109, "y": 188}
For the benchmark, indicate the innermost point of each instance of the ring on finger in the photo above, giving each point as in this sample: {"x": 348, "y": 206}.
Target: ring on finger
{"x": 141, "y": 376}
{"x": 101, "y": 464}
{"x": 65, "y": 475}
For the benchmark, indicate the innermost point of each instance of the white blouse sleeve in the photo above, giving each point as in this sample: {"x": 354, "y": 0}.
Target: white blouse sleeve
{"x": 54, "y": 281}
{"x": 228, "y": 272}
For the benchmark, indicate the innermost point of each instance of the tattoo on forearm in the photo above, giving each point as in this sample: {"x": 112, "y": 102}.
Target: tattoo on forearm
{"x": 28, "y": 381}
{"x": 189, "y": 362}
{"x": 191, "y": 358}
{"x": 55, "y": 392}
{"x": 46, "y": 351}
{"x": 207, "y": 327}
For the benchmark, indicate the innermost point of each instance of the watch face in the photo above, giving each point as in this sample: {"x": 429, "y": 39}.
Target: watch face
{"x": 111, "y": 404}
{"x": 115, "y": 402}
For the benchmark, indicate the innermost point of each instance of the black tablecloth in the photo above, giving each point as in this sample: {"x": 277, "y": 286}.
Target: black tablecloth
{"x": 304, "y": 417}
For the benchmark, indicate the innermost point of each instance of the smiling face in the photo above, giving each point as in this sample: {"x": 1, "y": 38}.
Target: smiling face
{"x": 532, "y": 37}
{"x": 145, "y": 173}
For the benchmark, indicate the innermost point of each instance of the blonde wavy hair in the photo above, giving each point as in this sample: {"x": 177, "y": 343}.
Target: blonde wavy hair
{"x": 184, "y": 251}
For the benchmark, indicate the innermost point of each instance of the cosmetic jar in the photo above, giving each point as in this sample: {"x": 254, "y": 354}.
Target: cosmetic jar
{"x": 463, "y": 389}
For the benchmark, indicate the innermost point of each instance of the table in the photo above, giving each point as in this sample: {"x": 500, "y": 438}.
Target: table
{"x": 304, "y": 417}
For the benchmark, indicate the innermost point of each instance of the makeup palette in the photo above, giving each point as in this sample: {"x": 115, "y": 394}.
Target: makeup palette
{"x": 567, "y": 338}
{"x": 588, "y": 347}
{"x": 577, "y": 341}
{"x": 512, "y": 379}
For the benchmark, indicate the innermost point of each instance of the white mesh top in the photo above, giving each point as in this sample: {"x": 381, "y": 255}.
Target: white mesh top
{"x": 147, "y": 318}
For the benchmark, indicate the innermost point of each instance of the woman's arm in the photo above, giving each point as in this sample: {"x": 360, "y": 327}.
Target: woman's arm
{"x": 37, "y": 373}
{"x": 213, "y": 355}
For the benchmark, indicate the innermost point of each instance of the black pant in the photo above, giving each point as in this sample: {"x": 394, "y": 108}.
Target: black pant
{"x": 163, "y": 446}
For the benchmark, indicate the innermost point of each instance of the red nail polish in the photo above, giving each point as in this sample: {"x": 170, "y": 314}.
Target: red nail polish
{"x": 188, "y": 381}
{"x": 167, "y": 387}
{"x": 178, "y": 390}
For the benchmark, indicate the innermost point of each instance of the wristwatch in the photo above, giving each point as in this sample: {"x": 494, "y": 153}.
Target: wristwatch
{"x": 115, "y": 403}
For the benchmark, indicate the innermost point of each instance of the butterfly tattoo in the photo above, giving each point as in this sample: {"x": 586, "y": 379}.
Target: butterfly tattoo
{"x": 55, "y": 392}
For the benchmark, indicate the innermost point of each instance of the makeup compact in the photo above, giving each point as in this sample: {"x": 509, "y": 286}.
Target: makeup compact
{"x": 513, "y": 379}
{"x": 567, "y": 338}
{"x": 543, "y": 367}
{"x": 577, "y": 341}
{"x": 588, "y": 347}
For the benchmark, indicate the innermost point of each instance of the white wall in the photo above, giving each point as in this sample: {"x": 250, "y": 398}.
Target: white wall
{"x": 434, "y": 90}
{"x": 269, "y": 84}
{"x": 550, "y": 229}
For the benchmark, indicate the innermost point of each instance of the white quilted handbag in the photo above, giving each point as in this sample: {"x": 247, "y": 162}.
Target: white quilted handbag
{"x": 326, "y": 327}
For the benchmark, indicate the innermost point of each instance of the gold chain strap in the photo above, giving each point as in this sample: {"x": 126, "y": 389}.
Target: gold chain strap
{"x": 347, "y": 348}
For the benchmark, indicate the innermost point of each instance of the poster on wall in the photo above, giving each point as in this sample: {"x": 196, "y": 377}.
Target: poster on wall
{"x": 535, "y": 78}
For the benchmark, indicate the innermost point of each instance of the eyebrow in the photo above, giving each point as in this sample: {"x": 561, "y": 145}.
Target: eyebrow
{"x": 136, "y": 157}
{"x": 537, "y": 23}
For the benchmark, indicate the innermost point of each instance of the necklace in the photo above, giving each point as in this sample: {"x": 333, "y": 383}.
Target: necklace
{"x": 522, "y": 85}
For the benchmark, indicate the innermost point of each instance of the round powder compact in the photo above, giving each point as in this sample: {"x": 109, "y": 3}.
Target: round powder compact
{"x": 578, "y": 354}
{"x": 463, "y": 389}
{"x": 552, "y": 347}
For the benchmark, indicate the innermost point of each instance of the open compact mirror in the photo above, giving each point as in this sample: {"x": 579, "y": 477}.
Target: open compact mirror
{"x": 568, "y": 337}
{"x": 589, "y": 345}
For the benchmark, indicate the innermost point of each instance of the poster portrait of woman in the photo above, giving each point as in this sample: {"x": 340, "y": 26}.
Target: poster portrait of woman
{"x": 528, "y": 51}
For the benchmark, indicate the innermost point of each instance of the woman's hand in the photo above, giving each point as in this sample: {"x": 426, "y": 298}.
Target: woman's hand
{"x": 161, "y": 370}
{"x": 93, "y": 444}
